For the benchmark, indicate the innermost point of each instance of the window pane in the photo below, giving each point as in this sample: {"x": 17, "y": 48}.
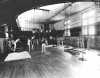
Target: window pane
{"x": 91, "y": 30}
{"x": 91, "y": 14}
{"x": 85, "y": 22}
{"x": 85, "y": 15}
{"x": 88, "y": 18}
{"x": 91, "y": 21}
{"x": 84, "y": 31}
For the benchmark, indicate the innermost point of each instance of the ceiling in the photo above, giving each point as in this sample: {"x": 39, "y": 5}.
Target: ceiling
{"x": 9, "y": 9}
{"x": 79, "y": 6}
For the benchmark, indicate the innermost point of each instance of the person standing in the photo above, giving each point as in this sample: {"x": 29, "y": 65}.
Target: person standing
{"x": 44, "y": 44}
{"x": 15, "y": 44}
{"x": 29, "y": 44}
{"x": 33, "y": 43}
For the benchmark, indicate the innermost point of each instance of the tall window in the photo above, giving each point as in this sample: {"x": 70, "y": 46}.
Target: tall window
{"x": 67, "y": 28}
{"x": 88, "y": 21}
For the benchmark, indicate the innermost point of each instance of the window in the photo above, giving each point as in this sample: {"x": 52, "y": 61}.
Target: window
{"x": 88, "y": 21}
{"x": 67, "y": 28}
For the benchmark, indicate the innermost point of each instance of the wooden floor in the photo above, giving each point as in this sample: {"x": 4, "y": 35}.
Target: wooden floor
{"x": 53, "y": 64}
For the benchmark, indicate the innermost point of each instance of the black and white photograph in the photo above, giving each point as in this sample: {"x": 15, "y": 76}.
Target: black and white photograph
{"x": 49, "y": 39}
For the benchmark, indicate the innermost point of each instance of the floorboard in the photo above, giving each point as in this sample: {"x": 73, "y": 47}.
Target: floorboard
{"x": 53, "y": 64}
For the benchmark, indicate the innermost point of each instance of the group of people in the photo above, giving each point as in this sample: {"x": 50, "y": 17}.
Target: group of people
{"x": 14, "y": 44}
{"x": 30, "y": 43}
{"x": 34, "y": 43}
